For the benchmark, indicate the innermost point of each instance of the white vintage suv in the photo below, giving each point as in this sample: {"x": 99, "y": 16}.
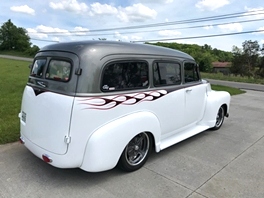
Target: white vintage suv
{"x": 98, "y": 104}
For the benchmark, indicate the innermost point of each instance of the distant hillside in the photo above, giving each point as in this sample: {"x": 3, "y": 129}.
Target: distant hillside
{"x": 204, "y": 55}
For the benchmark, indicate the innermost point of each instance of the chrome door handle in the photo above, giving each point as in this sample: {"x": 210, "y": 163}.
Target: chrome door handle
{"x": 188, "y": 90}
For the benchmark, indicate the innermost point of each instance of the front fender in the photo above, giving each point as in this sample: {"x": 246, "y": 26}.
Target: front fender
{"x": 215, "y": 99}
{"x": 107, "y": 143}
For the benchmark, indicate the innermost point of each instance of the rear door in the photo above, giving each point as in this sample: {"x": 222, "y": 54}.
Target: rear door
{"x": 48, "y": 99}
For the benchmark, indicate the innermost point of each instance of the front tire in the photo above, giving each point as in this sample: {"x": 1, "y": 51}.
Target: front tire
{"x": 136, "y": 152}
{"x": 219, "y": 118}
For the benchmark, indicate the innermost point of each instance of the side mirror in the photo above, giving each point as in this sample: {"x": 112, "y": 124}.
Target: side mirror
{"x": 30, "y": 66}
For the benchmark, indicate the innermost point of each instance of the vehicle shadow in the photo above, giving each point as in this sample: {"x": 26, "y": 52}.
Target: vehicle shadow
{"x": 178, "y": 148}
{"x": 34, "y": 169}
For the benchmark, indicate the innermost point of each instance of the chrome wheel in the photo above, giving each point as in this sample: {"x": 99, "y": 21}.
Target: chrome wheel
{"x": 219, "y": 118}
{"x": 136, "y": 152}
{"x": 137, "y": 149}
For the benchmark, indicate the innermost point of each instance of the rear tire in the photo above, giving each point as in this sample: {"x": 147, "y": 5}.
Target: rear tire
{"x": 136, "y": 152}
{"x": 219, "y": 118}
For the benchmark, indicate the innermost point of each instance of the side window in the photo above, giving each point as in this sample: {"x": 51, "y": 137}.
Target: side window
{"x": 166, "y": 73}
{"x": 190, "y": 73}
{"x": 38, "y": 68}
{"x": 58, "y": 70}
{"x": 125, "y": 75}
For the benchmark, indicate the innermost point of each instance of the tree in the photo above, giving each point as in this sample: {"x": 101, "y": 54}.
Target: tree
{"x": 246, "y": 59}
{"x": 260, "y": 72}
{"x": 33, "y": 50}
{"x": 238, "y": 63}
{"x": 251, "y": 53}
{"x": 13, "y": 38}
{"x": 207, "y": 47}
{"x": 205, "y": 64}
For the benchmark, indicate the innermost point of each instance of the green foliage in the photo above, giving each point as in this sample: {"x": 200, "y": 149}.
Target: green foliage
{"x": 14, "y": 38}
{"x": 260, "y": 71}
{"x": 13, "y": 78}
{"x": 204, "y": 55}
{"x": 205, "y": 62}
{"x": 32, "y": 51}
{"x": 246, "y": 59}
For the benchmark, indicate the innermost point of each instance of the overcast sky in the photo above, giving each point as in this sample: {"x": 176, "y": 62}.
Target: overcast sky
{"x": 69, "y": 20}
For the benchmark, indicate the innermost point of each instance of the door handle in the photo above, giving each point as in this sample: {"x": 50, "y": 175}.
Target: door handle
{"x": 188, "y": 90}
{"x": 42, "y": 84}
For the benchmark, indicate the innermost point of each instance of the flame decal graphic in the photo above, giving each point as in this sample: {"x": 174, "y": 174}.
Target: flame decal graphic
{"x": 109, "y": 102}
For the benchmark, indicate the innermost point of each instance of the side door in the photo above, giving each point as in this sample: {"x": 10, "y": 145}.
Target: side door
{"x": 170, "y": 108}
{"x": 195, "y": 94}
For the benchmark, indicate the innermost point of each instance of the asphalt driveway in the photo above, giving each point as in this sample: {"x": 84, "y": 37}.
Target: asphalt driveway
{"x": 224, "y": 163}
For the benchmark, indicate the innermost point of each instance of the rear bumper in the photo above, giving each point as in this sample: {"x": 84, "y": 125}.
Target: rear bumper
{"x": 60, "y": 161}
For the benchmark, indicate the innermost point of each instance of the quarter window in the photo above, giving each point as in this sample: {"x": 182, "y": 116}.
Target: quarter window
{"x": 59, "y": 70}
{"x": 190, "y": 72}
{"x": 166, "y": 73}
{"x": 125, "y": 75}
{"x": 38, "y": 67}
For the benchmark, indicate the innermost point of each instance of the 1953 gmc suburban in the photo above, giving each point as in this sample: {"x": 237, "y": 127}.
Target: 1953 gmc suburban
{"x": 98, "y": 104}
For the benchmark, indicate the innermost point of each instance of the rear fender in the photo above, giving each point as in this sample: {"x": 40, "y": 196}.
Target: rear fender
{"x": 107, "y": 143}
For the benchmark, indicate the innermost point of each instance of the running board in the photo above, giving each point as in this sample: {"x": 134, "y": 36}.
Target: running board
{"x": 180, "y": 136}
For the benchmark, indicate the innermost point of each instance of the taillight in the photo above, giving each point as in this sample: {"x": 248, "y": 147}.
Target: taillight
{"x": 46, "y": 158}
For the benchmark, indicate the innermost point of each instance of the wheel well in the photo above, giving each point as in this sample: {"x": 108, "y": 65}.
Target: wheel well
{"x": 152, "y": 139}
{"x": 225, "y": 109}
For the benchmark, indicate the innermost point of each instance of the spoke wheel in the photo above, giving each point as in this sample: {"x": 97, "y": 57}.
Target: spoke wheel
{"x": 136, "y": 152}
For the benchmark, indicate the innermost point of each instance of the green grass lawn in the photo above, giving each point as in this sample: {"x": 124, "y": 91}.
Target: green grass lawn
{"x": 232, "y": 91}
{"x": 13, "y": 77}
{"x": 231, "y": 77}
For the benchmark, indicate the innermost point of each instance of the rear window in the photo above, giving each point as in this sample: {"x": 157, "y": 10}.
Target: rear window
{"x": 125, "y": 75}
{"x": 38, "y": 67}
{"x": 58, "y": 70}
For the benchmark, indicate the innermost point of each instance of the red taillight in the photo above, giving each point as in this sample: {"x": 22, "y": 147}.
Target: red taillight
{"x": 21, "y": 140}
{"x": 46, "y": 158}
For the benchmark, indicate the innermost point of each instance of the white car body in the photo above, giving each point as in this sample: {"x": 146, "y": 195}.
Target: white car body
{"x": 90, "y": 127}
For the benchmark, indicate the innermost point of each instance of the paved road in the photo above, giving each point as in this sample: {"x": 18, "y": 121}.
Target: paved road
{"x": 16, "y": 58}
{"x": 224, "y": 163}
{"x": 248, "y": 86}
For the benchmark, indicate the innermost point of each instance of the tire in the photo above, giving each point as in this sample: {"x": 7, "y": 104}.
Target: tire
{"x": 136, "y": 152}
{"x": 219, "y": 118}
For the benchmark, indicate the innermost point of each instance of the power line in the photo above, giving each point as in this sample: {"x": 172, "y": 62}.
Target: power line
{"x": 197, "y": 37}
{"x": 35, "y": 39}
{"x": 181, "y": 38}
{"x": 177, "y": 28}
{"x": 233, "y": 15}
{"x": 203, "y": 19}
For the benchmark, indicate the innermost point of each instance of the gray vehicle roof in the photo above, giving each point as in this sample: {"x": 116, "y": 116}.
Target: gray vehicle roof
{"x": 114, "y": 47}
